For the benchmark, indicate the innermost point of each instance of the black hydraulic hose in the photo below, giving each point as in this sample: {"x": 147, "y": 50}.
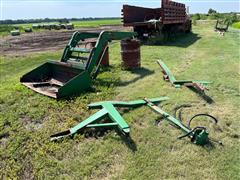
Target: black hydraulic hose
{"x": 178, "y": 108}
{"x": 192, "y": 131}
{"x": 215, "y": 120}
{"x": 197, "y": 115}
{"x": 178, "y": 114}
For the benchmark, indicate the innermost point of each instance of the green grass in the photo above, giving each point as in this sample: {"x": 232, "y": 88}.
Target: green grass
{"x": 96, "y": 23}
{"x": 77, "y": 24}
{"x": 27, "y": 119}
{"x": 84, "y": 23}
{"x": 5, "y": 29}
{"x": 236, "y": 25}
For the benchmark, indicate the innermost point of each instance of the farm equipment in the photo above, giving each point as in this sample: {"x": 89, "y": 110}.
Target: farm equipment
{"x": 221, "y": 27}
{"x": 198, "y": 134}
{"x": 69, "y": 26}
{"x": 15, "y": 33}
{"x": 170, "y": 18}
{"x": 36, "y": 26}
{"x": 28, "y": 30}
{"x": 74, "y": 73}
{"x": 108, "y": 109}
{"x": 168, "y": 76}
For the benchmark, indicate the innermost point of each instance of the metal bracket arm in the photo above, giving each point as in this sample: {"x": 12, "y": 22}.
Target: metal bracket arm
{"x": 108, "y": 108}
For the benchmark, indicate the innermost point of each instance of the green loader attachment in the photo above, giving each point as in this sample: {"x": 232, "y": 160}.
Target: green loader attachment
{"x": 107, "y": 109}
{"x": 168, "y": 76}
{"x": 75, "y": 72}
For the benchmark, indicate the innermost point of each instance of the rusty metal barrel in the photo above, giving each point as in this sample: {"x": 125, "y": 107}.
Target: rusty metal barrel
{"x": 105, "y": 60}
{"x": 105, "y": 56}
{"x": 130, "y": 51}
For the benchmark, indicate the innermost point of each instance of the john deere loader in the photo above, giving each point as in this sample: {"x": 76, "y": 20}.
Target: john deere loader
{"x": 74, "y": 73}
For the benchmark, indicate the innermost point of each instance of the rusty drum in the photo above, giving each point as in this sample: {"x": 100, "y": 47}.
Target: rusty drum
{"x": 104, "y": 57}
{"x": 131, "y": 56}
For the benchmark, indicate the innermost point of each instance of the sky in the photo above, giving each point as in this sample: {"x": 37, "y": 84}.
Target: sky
{"x": 32, "y": 9}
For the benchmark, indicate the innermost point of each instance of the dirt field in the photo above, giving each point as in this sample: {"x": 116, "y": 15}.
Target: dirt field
{"x": 43, "y": 41}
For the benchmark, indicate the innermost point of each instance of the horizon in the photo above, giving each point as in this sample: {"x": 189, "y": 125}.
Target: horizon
{"x": 36, "y": 9}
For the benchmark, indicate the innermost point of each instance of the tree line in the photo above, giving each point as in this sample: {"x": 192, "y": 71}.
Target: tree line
{"x": 212, "y": 14}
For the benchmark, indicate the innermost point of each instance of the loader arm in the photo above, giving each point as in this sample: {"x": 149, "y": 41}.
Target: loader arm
{"x": 104, "y": 38}
{"x": 76, "y": 37}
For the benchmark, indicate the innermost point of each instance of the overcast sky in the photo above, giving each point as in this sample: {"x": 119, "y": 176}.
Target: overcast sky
{"x": 31, "y": 9}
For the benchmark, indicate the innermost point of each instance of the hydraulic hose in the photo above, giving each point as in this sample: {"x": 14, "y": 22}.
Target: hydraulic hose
{"x": 198, "y": 115}
{"x": 192, "y": 131}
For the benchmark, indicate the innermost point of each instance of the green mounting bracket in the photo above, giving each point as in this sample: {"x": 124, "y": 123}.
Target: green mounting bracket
{"x": 108, "y": 108}
{"x": 168, "y": 76}
{"x": 198, "y": 135}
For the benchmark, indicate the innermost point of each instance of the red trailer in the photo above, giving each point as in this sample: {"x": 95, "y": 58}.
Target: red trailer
{"x": 170, "y": 18}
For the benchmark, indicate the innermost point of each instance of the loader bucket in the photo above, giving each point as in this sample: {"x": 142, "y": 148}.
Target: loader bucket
{"x": 57, "y": 79}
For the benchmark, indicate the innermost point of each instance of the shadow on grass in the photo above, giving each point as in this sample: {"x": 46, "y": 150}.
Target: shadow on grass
{"x": 141, "y": 72}
{"x": 100, "y": 132}
{"x": 178, "y": 40}
{"x": 129, "y": 142}
{"x": 110, "y": 81}
{"x": 204, "y": 96}
{"x": 212, "y": 145}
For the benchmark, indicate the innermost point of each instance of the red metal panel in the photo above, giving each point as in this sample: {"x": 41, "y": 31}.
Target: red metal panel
{"x": 170, "y": 13}
{"x": 134, "y": 14}
{"x": 173, "y": 12}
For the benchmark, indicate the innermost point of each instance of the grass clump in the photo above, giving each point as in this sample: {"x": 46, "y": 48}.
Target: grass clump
{"x": 236, "y": 25}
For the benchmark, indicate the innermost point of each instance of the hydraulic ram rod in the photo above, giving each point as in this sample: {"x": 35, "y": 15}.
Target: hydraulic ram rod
{"x": 198, "y": 135}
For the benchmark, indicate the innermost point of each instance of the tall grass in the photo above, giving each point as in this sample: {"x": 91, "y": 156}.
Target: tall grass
{"x": 236, "y": 25}
{"x": 5, "y": 29}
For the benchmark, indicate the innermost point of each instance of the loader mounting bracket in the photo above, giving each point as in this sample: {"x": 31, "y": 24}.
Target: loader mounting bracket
{"x": 107, "y": 109}
{"x": 200, "y": 86}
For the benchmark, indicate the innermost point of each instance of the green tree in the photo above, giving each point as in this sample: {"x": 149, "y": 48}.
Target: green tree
{"x": 196, "y": 17}
{"x": 212, "y": 11}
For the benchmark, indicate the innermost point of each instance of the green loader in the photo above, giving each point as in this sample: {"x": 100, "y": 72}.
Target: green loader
{"x": 74, "y": 73}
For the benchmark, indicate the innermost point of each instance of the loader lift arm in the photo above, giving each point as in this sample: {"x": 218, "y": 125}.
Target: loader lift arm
{"x": 103, "y": 38}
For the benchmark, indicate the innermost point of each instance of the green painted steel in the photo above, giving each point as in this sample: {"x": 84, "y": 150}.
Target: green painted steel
{"x": 95, "y": 117}
{"x": 167, "y": 71}
{"x": 108, "y": 108}
{"x": 201, "y": 85}
{"x": 199, "y": 135}
{"x": 130, "y": 104}
{"x": 73, "y": 74}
